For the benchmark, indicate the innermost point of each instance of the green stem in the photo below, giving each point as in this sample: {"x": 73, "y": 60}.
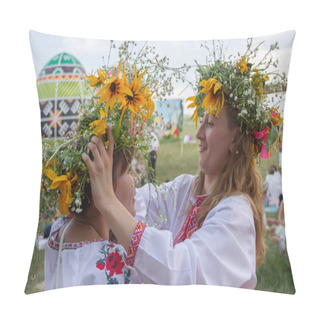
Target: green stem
{"x": 62, "y": 145}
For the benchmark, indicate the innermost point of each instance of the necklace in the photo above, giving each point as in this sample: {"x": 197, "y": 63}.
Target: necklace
{"x": 93, "y": 231}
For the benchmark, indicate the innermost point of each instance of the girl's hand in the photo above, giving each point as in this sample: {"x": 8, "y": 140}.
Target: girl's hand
{"x": 100, "y": 171}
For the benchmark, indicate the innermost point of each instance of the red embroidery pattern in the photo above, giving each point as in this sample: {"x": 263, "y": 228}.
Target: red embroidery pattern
{"x": 112, "y": 263}
{"x": 191, "y": 222}
{"x": 134, "y": 244}
{"x": 67, "y": 246}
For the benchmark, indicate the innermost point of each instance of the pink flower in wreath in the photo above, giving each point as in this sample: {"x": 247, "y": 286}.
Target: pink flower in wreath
{"x": 114, "y": 263}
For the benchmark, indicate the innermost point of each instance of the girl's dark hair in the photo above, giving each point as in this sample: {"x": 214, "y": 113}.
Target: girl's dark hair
{"x": 122, "y": 158}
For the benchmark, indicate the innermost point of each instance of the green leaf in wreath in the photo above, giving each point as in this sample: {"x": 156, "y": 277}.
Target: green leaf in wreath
{"x": 201, "y": 112}
{"x": 272, "y": 138}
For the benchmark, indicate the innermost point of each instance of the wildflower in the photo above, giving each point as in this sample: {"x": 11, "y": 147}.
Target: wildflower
{"x": 149, "y": 106}
{"x": 112, "y": 91}
{"x": 275, "y": 117}
{"x": 214, "y": 100}
{"x": 134, "y": 98}
{"x": 94, "y": 81}
{"x": 64, "y": 183}
{"x": 243, "y": 65}
{"x": 99, "y": 127}
{"x": 195, "y": 116}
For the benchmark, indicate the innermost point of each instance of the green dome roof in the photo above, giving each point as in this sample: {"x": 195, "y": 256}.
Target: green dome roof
{"x": 63, "y": 58}
{"x": 62, "y": 63}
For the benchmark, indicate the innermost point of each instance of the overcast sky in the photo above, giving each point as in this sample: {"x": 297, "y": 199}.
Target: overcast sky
{"x": 90, "y": 52}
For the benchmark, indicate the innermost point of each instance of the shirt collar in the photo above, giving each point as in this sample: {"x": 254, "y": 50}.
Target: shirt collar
{"x": 197, "y": 200}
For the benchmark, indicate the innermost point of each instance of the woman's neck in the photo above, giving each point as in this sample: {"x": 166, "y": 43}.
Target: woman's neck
{"x": 87, "y": 226}
{"x": 208, "y": 184}
{"x": 92, "y": 224}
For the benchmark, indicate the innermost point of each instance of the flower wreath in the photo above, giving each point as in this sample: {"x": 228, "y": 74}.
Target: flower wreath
{"x": 243, "y": 84}
{"x": 122, "y": 99}
{"x": 125, "y": 107}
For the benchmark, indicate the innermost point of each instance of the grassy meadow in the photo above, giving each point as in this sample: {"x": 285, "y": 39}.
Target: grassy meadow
{"x": 174, "y": 159}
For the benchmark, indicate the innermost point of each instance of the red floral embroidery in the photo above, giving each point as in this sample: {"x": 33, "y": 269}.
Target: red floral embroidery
{"x": 100, "y": 265}
{"x": 114, "y": 263}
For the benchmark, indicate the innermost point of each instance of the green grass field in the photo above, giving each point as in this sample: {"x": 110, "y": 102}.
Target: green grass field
{"x": 174, "y": 159}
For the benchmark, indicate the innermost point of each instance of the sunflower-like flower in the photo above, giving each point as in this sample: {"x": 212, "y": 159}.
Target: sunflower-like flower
{"x": 214, "y": 100}
{"x": 113, "y": 91}
{"x": 135, "y": 98}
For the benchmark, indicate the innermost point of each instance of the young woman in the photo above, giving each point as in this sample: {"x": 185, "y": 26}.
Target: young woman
{"x": 90, "y": 253}
{"x": 227, "y": 235}
{"x": 211, "y": 225}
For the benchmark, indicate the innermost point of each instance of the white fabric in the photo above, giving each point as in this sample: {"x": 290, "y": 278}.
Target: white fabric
{"x": 80, "y": 262}
{"x": 222, "y": 252}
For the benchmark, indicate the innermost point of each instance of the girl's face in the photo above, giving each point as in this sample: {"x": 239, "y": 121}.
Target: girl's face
{"x": 125, "y": 189}
{"x": 216, "y": 140}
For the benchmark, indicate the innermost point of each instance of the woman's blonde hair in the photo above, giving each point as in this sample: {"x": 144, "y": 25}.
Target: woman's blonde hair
{"x": 238, "y": 176}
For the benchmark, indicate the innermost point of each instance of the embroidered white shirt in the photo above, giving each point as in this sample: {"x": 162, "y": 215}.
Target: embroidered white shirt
{"x": 85, "y": 263}
{"x": 222, "y": 252}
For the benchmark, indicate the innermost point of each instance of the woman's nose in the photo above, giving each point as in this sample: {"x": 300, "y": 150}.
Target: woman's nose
{"x": 199, "y": 134}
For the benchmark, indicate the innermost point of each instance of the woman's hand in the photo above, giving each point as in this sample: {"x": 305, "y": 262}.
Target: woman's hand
{"x": 121, "y": 222}
{"x": 100, "y": 171}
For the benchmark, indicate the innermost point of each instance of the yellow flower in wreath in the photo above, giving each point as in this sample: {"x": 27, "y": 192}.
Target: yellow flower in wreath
{"x": 275, "y": 117}
{"x": 214, "y": 100}
{"x": 99, "y": 127}
{"x": 149, "y": 106}
{"x": 113, "y": 91}
{"x": 135, "y": 97}
{"x": 94, "y": 81}
{"x": 64, "y": 183}
{"x": 243, "y": 65}
{"x": 195, "y": 115}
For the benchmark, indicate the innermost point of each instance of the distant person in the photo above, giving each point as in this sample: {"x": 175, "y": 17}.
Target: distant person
{"x": 276, "y": 231}
{"x": 269, "y": 207}
{"x": 186, "y": 138}
{"x": 153, "y": 150}
{"x": 274, "y": 181}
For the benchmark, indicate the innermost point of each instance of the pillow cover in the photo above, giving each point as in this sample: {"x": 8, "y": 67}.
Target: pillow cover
{"x": 61, "y": 65}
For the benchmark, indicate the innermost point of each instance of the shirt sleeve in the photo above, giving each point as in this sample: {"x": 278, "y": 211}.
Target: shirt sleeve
{"x": 221, "y": 252}
{"x": 157, "y": 205}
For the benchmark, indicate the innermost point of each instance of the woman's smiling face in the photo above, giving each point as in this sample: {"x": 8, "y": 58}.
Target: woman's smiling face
{"x": 216, "y": 140}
